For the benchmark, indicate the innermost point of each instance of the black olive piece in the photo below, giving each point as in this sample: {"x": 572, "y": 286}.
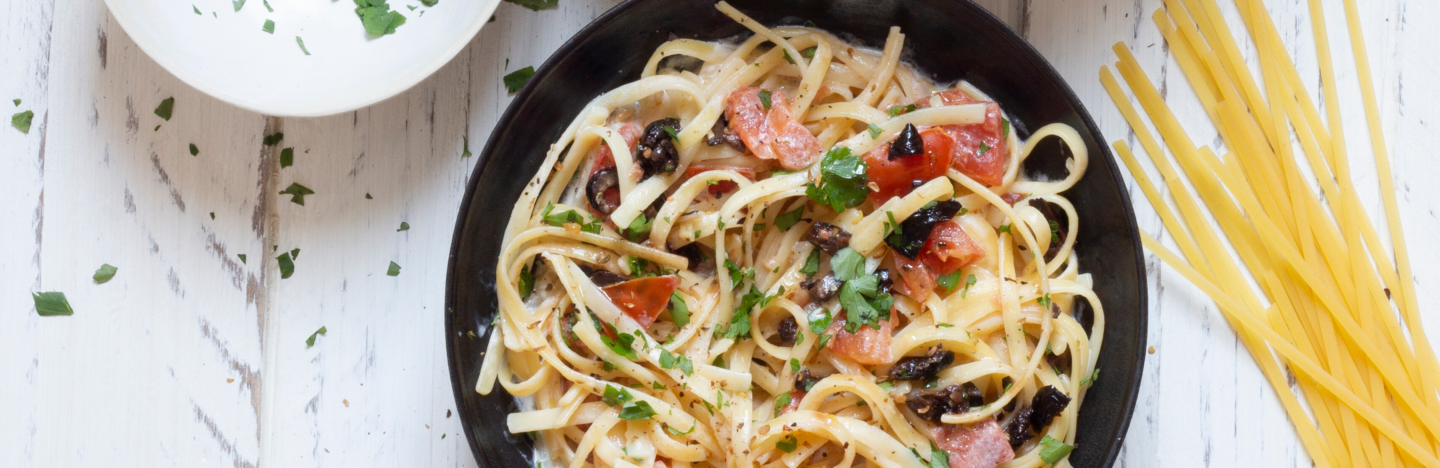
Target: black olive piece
{"x": 908, "y": 143}
{"x": 1019, "y": 428}
{"x": 1060, "y": 363}
{"x": 602, "y": 277}
{"x": 601, "y": 182}
{"x": 828, "y": 237}
{"x": 788, "y": 329}
{"x": 656, "y": 151}
{"x": 959, "y": 402}
{"x": 886, "y": 281}
{"x": 915, "y": 229}
{"x": 1044, "y": 208}
{"x": 822, "y": 289}
{"x": 693, "y": 253}
{"x": 804, "y": 380}
{"x": 923, "y": 367}
{"x": 1048, "y": 403}
{"x": 721, "y": 133}
{"x": 972, "y": 394}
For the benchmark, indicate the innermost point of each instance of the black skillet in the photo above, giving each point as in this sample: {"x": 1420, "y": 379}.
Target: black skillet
{"x": 949, "y": 39}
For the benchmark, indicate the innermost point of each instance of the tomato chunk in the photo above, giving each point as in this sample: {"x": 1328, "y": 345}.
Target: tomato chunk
{"x": 987, "y": 166}
{"x": 771, "y": 133}
{"x": 979, "y": 445}
{"x": 643, "y": 298}
{"x": 899, "y": 176}
{"x": 795, "y": 397}
{"x": 866, "y": 346}
{"x": 916, "y": 280}
{"x": 949, "y": 248}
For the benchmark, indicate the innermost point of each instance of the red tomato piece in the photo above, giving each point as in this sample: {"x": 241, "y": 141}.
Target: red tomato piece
{"x": 987, "y": 168}
{"x": 979, "y": 445}
{"x": 771, "y": 133}
{"x": 866, "y": 346}
{"x": 643, "y": 298}
{"x": 1012, "y": 197}
{"x": 949, "y": 248}
{"x": 916, "y": 280}
{"x": 899, "y": 176}
{"x": 795, "y": 397}
{"x": 747, "y": 166}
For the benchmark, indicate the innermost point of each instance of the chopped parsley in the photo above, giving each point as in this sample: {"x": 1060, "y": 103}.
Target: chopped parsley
{"x": 311, "y": 340}
{"x": 1088, "y": 381}
{"x": 527, "y": 282}
{"x": 1044, "y": 300}
{"x": 842, "y": 180}
{"x": 949, "y": 281}
{"x": 739, "y": 326}
{"x": 615, "y": 396}
{"x": 466, "y": 154}
{"x": 287, "y": 157}
{"x": 676, "y": 432}
{"x": 765, "y": 98}
{"x": 670, "y": 360}
{"x": 671, "y": 131}
{"x": 787, "y": 220}
{"x": 874, "y": 131}
{"x": 301, "y": 42}
{"x": 197, "y": 9}
{"x": 429, "y": 3}
{"x": 819, "y": 322}
{"x": 847, "y": 264}
{"x": 983, "y": 149}
{"x": 970, "y": 281}
{"x": 242, "y": 258}
{"x": 166, "y": 108}
{"x": 938, "y": 458}
{"x": 864, "y": 304}
{"x": 368, "y": 197}
{"x": 812, "y": 264}
{"x": 897, "y": 110}
{"x": 808, "y": 53}
{"x": 517, "y": 79}
{"x": 267, "y": 5}
{"x": 287, "y": 265}
{"x": 269, "y": 26}
{"x": 636, "y": 411}
{"x": 377, "y": 17}
{"x": 404, "y": 226}
{"x": 795, "y": 363}
{"x": 51, "y": 303}
{"x": 639, "y": 227}
{"x": 1052, "y": 451}
{"x": 678, "y": 310}
{"x": 194, "y": 150}
{"x": 273, "y": 139}
{"x": 238, "y": 4}
{"x": 394, "y": 269}
{"x": 297, "y": 193}
{"x": 736, "y": 273}
{"x": 622, "y": 344}
{"x": 1005, "y": 228}
{"x": 104, "y": 273}
{"x": 788, "y": 443}
{"x": 1054, "y": 231}
{"x": 1004, "y": 128}
{"x": 569, "y": 216}
{"x": 536, "y": 5}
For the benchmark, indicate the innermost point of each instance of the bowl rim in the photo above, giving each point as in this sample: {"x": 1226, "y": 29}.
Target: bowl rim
{"x": 240, "y": 101}
{"x": 1131, "y": 389}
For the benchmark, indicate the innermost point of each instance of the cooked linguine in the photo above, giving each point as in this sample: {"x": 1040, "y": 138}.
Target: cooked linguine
{"x": 790, "y": 251}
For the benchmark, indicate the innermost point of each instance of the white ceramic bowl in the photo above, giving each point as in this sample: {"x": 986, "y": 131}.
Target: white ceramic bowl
{"x": 226, "y": 54}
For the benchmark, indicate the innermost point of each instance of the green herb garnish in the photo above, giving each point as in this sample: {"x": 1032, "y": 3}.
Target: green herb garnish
{"x": 287, "y": 265}
{"x": 466, "y": 154}
{"x": 51, "y": 303}
{"x": 404, "y": 226}
{"x": 787, "y": 444}
{"x": 311, "y": 340}
{"x": 983, "y": 149}
{"x": 678, "y": 310}
{"x": 166, "y": 108}
{"x": 969, "y": 281}
{"x": 787, "y": 220}
{"x": 847, "y": 264}
{"x": 938, "y": 458}
{"x": 812, "y": 264}
{"x": 897, "y": 110}
{"x": 527, "y": 282}
{"x": 377, "y": 17}
{"x": 536, "y": 5}
{"x": 394, "y": 269}
{"x": 269, "y": 26}
{"x": 874, "y": 131}
{"x": 242, "y": 258}
{"x": 636, "y": 411}
{"x": 272, "y": 139}
{"x": 781, "y": 401}
{"x": 104, "y": 273}
{"x": 677, "y": 433}
{"x": 765, "y": 99}
{"x": 670, "y": 360}
{"x": 842, "y": 180}
{"x": 238, "y": 4}
{"x": 949, "y": 281}
{"x": 298, "y": 193}
{"x": 301, "y": 42}
{"x": 287, "y": 157}
{"x": 194, "y": 150}
{"x": 1052, "y": 451}
{"x": 517, "y": 79}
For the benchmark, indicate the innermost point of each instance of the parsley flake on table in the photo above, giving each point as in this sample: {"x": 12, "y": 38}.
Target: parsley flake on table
{"x": 429, "y": 3}
{"x": 51, "y": 303}
{"x": 404, "y": 226}
{"x": 197, "y": 9}
{"x": 212, "y": 215}
{"x": 166, "y": 108}
{"x": 517, "y": 79}
{"x": 267, "y": 5}
{"x": 242, "y": 258}
{"x": 194, "y": 150}
{"x": 287, "y": 265}
{"x": 17, "y": 102}
{"x": 536, "y": 5}
{"x": 287, "y": 157}
{"x": 269, "y": 26}
{"x": 377, "y": 17}
{"x": 466, "y": 154}
{"x": 300, "y": 41}
{"x": 22, "y": 121}
{"x": 273, "y": 139}
{"x": 298, "y": 193}
{"x": 311, "y": 340}
{"x": 238, "y": 4}
{"x": 394, "y": 269}
{"x": 842, "y": 180}
{"x": 104, "y": 273}
{"x": 368, "y": 197}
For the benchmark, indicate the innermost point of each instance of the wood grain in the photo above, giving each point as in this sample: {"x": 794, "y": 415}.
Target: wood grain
{"x": 141, "y": 374}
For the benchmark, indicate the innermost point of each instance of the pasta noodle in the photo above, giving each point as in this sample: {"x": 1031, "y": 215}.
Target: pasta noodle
{"x": 1336, "y": 300}
{"x": 789, "y": 251}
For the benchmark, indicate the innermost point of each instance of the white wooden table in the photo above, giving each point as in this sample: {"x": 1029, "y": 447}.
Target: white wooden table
{"x": 191, "y": 357}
